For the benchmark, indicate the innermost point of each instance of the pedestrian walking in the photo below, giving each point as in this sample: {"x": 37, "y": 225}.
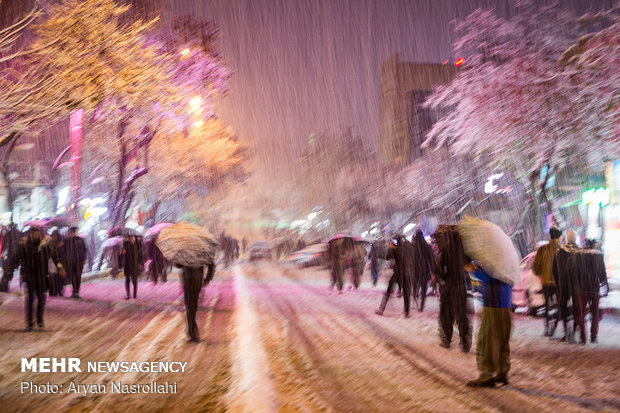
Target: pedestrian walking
{"x": 133, "y": 265}
{"x": 57, "y": 279}
{"x": 159, "y": 267}
{"x": 34, "y": 257}
{"x": 374, "y": 264}
{"x": 193, "y": 280}
{"x": 335, "y": 253}
{"x": 493, "y": 344}
{"x": 74, "y": 255}
{"x": 10, "y": 250}
{"x": 356, "y": 260}
{"x": 564, "y": 283}
{"x": 423, "y": 260}
{"x": 587, "y": 267}
{"x": 451, "y": 280}
{"x": 543, "y": 268}
{"x": 401, "y": 275}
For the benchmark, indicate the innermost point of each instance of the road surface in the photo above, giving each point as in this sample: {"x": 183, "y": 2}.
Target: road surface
{"x": 275, "y": 338}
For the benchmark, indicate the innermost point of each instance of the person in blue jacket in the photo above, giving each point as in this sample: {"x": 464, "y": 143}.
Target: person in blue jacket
{"x": 493, "y": 345}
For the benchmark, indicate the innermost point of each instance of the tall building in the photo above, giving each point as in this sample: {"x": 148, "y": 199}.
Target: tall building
{"x": 404, "y": 122}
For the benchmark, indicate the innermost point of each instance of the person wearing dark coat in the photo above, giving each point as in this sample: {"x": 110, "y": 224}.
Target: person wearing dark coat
{"x": 587, "y": 268}
{"x": 159, "y": 265}
{"x": 374, "y": 265}
{"x": 335, "y": 254}
{"x": 564, "y": 283}
{"x": 133, "y": 265}
{"x": 193, "y": 280}
{"x": 452, "y": 282}
{"x": 423, "y": 261}
{"x": 399, "y": 252}
{"x": 34, "y": 259}
{"x": 10, "y": 249}
{"x": 57, "y": 281}
{"x": 74, "y": 254}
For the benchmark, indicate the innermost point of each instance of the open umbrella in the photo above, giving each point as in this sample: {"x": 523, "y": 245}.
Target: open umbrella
{"x": 187, "y": 244}
{"x": 492, "y": 249}
{"x": 156, "y": 229}
{"x": 41, "y": 223}
{"x": 110, "y": 242}
{"x": 61, "y": 222}
{"x": 122, "y": 232}
{"x": 343, "y": 235}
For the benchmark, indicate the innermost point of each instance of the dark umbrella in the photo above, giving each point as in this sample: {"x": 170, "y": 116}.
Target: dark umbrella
{"x": 122, "y": 232}
{"x": 187, "y": 244}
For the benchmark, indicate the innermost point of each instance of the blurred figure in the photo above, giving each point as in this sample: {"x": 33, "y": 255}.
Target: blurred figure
{"x": 358, "y": 263}
{"x": 564, "y": 282}
{"x": 133, "y": 265}
{"x": 423, "y": 261}
{"x": 587, "y": 266}
{"x": 452, "y": 283}
{"x": 374, "y": 265}
{"x": 74, "y": 254}
{"x": 10, "y": 250}
{"x": 335, "y": 253}
{"x": 543, "y": 268}
{"x": 34, "y": 260}
{"x": 244, "y": 245}
{"x": 159, "y": 266}
{"x": 401, "y": 274}
{"x": 493, "y": 345}
{"x": 192, "y": 284}
{"x": 57, "y": 279}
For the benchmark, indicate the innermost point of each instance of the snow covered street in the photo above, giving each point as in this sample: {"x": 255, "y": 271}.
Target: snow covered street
{"x": 275, "y": 338}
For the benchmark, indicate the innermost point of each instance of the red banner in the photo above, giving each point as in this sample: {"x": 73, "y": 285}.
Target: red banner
{"x": 76, "y": 122}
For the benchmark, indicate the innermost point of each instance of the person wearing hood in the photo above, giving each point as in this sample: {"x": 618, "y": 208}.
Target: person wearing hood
{"x": 34, "y": 259}
{"x": 564, "y": 282}
{"x": 543, "y": 268}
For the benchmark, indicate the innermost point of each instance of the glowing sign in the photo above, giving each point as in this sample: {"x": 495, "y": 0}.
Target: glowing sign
{"x": 598, "y": 196}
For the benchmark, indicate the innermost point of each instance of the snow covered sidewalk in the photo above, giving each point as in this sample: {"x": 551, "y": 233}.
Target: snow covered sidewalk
{"x": 252, "y": 387}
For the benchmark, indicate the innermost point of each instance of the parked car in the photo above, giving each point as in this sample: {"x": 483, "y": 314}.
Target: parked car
{"x": 527, "y": 293}
{"x": 313, "y": 255}
{"x": 260, "y": 250}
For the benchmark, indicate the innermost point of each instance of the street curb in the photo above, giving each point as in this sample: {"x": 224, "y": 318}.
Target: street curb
{"x": 252, "y": 389}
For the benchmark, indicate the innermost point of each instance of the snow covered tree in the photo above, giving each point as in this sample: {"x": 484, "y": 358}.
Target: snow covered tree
{"x": 511, "y": 107}
{"x": 194, "y": 162}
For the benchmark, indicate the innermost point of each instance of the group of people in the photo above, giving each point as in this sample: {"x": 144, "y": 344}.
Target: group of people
{"x": 46, "y": 263}
{"x": 230, "y": 248}
{"x": 412, "y": 264}
{"x": 571, "y": 278}
{"x": 345, "y": 253}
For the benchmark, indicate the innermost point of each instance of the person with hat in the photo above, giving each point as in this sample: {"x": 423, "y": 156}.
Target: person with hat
{"x": 543, "y": 268}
